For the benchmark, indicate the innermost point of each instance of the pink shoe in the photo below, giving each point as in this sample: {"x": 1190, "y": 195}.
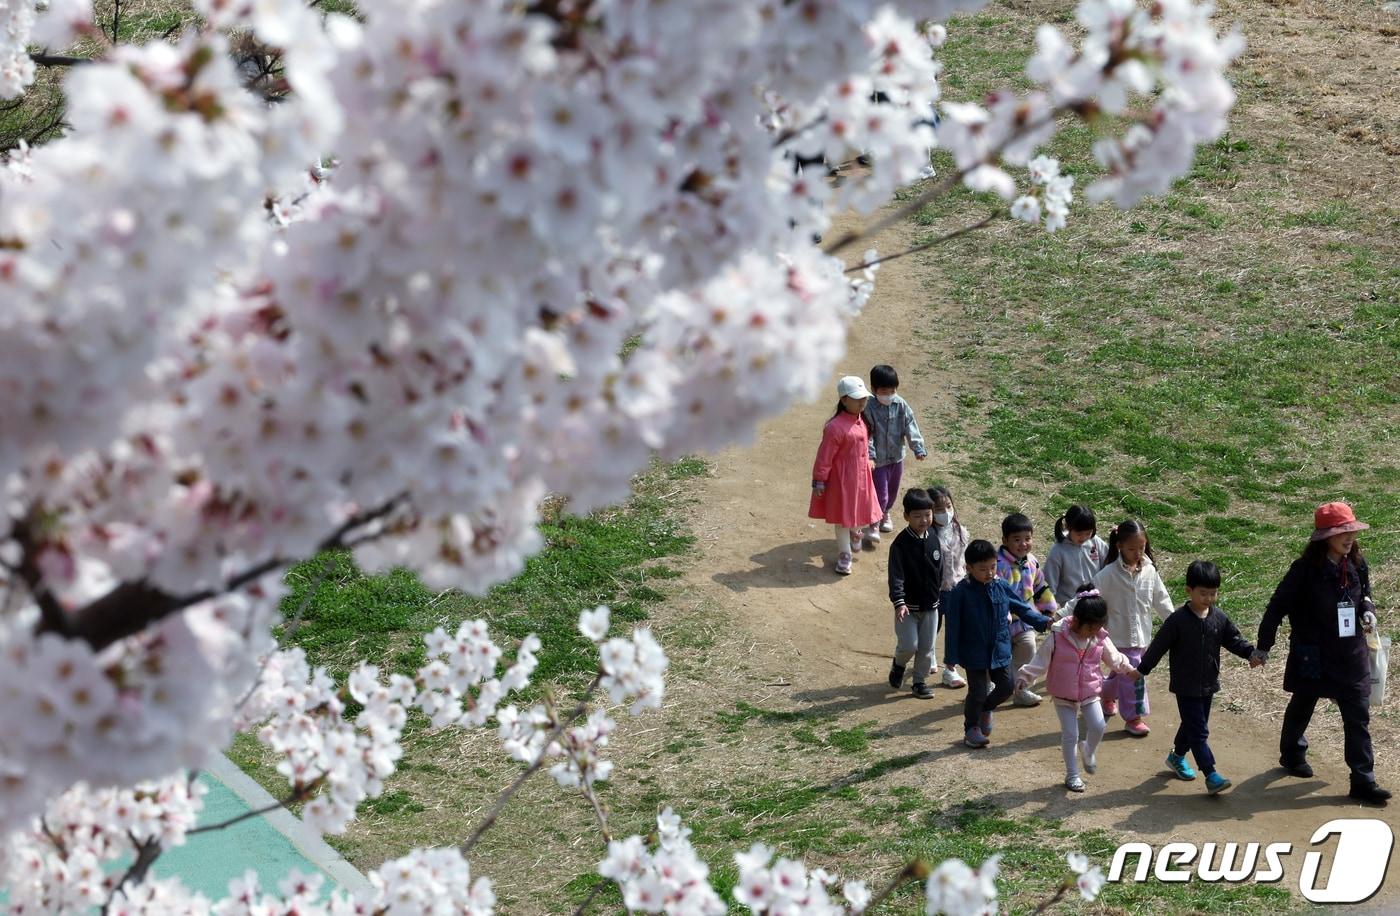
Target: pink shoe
{"x": 1110, "y": 708}
{"x": 843, "y": 564}
{"x": 1136, "y": 727}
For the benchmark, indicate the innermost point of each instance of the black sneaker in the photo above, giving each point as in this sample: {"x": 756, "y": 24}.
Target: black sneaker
{"x": 922, "y": 691}
{"x": 1368, "y": 793}
{"x": 896, "y": 675}
{"x": 1302, "y": 769}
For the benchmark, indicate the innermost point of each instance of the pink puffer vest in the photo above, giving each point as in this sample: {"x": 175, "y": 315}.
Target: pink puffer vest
{"x": 1074, "y": 674}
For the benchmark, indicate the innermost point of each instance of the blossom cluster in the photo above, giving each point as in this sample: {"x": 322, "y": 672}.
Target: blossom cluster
{"x": 68, "y": 863}
{"x": 629, "y": 670}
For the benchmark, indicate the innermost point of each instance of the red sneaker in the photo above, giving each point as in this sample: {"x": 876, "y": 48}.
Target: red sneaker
{"x": 1137, "y": 728}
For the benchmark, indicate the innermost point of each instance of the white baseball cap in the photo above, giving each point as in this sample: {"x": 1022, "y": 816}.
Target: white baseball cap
{"x": 852, "y": 386}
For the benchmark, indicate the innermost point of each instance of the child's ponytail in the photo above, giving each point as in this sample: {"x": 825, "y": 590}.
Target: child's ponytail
{"x": 1076, "y": 518}
{"x": 1126, "y": 529}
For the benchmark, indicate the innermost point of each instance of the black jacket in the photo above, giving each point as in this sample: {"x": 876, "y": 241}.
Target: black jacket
{"x": 1194, "y": 643}
{"x": 1320, "y": 660}
{"x": 916, "y": 570}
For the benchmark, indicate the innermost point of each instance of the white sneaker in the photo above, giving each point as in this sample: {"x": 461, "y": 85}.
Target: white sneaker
{"x": 952, "y": 679}
{"x": 855, "y": 542}
{"x": 886, "y": 524}
{"x": 1074, "y": 783}
{"x": 871, "y": 534}
{"x": 1090, "y": 761}
{"x": 1025, "y": 698}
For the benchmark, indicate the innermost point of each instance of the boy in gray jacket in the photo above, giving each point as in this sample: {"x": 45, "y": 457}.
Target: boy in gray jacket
{"x": 891, "y": 423}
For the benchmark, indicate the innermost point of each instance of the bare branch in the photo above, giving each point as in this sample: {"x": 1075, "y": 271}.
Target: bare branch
{"x": 288, "y": 632}
{"x": 298, "y": 795}
{"x": 58, "y": 60}
{"x": 915, "y": 869}
{"x": 945, "y": 237}
{"x": 598, "y": 888}
{"x": 490, "y": 820}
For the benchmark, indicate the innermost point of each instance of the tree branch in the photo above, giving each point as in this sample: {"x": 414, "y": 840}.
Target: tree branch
{"x": 490, "y": 820}
{"x": 945, "y": 237}
{"x": 132, "y": 606}
{"x": 915, "y": 869}
{"x": 598, "y": 888}
{"x": 943, "y": 187}
{"x": 298, "y": 795}
{"x": 58, "y": 60}
{"x": 55, "y": 619}
{"x": 146, "y": 855}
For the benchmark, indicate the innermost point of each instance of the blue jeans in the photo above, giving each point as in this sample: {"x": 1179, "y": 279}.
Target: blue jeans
{"x": 1194, "y": 730}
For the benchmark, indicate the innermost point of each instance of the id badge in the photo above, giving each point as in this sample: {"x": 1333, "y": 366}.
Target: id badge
{"x": 1346, "y": 618}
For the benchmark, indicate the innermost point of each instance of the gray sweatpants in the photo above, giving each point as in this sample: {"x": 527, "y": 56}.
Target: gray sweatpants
{"x": 914, "y": 636}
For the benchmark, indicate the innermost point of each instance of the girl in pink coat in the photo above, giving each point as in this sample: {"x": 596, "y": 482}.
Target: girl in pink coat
{"x": 1069, "y": 661}
{"x": 843, "y": 488}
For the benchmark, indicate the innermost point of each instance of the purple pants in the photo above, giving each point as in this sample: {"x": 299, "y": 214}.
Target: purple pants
{"x": 1131, "y": 695}
{"x": 887, "y": 484}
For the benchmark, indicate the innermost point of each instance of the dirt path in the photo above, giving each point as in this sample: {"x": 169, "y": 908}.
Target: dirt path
{"x": 771, "y": 567}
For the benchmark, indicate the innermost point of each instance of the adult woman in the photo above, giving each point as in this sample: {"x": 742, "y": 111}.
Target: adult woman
{"x": 1326, "y": 597}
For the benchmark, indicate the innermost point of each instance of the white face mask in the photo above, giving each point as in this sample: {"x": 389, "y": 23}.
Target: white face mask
{"x": 942, "y": 518}
{"x": 886, "y": 399}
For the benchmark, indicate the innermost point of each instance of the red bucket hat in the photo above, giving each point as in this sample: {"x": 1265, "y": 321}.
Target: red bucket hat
{"x": 1335, "y": 518}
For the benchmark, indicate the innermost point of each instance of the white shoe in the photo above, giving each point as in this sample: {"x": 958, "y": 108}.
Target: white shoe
{"x": 1074, "y": 783}
{"x": 855, "y": 541}
{"x": 886, "y": 524}
{"x": 871, "y": 534}
{"x": 1024, "y": 697}
{"x": 1090, "y": 761}
{"x": 952, "y": 679}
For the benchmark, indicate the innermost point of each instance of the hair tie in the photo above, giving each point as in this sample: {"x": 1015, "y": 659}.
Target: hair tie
{"x": 1091, "y": 593}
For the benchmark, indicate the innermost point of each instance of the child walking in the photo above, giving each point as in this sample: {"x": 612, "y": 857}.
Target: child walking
{"x": 952, "y": 543}
{"x": 1077, "y": 555}
{"x": 1192, "y": 636}
{"x": 979, "y": 638}
{"x": 843, "y": 491}
{"x": 916, "y": 579}
{"x": 891, "y": 421}
{"x": 1019, "y": 567}
{"x": 1130, "y": 584}
{"x": 1070, "y": 661}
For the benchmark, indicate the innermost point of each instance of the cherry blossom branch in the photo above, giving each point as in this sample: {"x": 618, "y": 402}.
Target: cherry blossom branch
{"x": 52, "y": 613}
{"x": 287, "y": 633}
{"x": 945, "y": 237}
{"x": 298, "y": 795}
{"x": 58, "y": 60}
{"x": 915, "y": 870}
{"x": 1059, "y": 894}
{"x": 943, "y": 187}
{"x": 792, "y": 133}
{"x": 132, "y": 606}
{"x": 146, "y": 854}
{"x": 490, "y": 820}
{"x": 598, "y": 888}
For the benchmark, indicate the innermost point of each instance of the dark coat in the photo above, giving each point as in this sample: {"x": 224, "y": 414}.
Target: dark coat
{"x": 1320, "y": 660}
{"x": 916, "y": 570}
{"x": 1194, "y": 646}
{"x": 978, "y": 633}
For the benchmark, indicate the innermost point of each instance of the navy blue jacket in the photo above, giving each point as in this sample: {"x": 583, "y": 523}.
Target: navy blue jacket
{"x": 978, "y": 635}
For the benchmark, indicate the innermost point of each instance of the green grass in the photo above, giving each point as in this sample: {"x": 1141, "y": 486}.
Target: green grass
{"x": 622, "y": 557}
{"x": 610, "y": 558}
{"x": 1180, "y": 365}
